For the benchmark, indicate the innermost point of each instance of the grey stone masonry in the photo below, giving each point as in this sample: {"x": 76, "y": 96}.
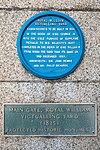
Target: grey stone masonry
{"x": 23, "y": 92}
{"x": 17, "y": 85}
{"x": 11, "y": 67}
{"x": 50, "y": 4}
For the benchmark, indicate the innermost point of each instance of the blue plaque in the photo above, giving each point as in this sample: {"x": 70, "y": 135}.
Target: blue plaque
{"x": 50, "y": 45}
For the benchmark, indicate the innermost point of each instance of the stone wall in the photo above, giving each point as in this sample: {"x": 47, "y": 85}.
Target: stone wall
{"x": 17, "y": 85}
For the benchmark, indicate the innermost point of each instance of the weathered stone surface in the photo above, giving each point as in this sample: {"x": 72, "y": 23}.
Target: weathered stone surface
{"x": 10, "y": 65}
{"x": 61, "y": 143}
{"x": 74, "y": 92}
{"x": 65, "y": 92}
{"x": 44, "y": 4}
{"x": 23, "y": 92}
{"x": 50, "y": 144}
{"x": 83, "y": 85}
{"x": 32, "y": 143}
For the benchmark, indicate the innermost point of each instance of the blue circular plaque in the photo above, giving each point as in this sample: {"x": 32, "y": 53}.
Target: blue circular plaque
{"x": 50, "y": 45}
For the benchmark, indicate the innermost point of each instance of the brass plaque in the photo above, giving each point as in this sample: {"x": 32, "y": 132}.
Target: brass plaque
{"x": 50, "y": 119}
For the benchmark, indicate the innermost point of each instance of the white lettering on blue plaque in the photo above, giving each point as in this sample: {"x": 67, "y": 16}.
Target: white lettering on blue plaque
{"x": 50, "y": 45}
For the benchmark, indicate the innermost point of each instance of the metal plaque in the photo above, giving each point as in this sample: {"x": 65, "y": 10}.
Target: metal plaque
{"x": 50, "y": 119}
{"x": 50, "y": 45}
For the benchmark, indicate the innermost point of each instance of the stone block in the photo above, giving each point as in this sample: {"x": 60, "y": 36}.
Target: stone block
{"x": 11, "y": 68}
{"x": 52, "y": 4}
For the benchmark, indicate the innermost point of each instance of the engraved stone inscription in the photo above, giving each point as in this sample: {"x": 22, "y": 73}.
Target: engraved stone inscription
{"x": 50, "y": 119}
